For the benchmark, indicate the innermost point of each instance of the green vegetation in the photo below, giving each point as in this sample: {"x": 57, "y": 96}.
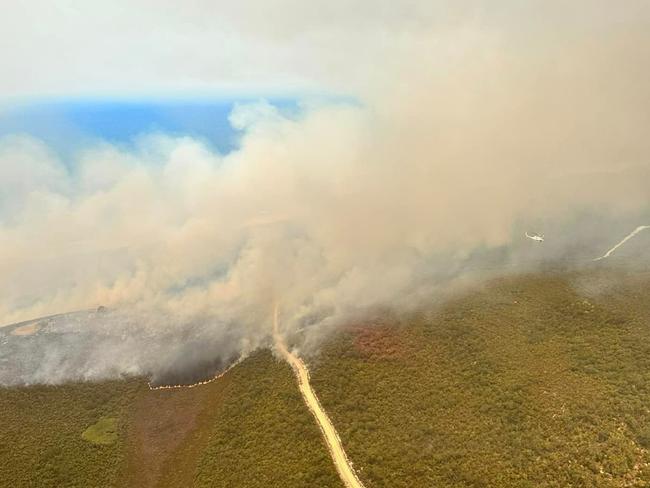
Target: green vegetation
{"x": 534, "y": 381}
{"x": 40, "y": 440}
{"x": 265, "y": 436}
{"x": 102, "y": 432}
{"x": 247, "y": 429}
{"x": 524, "y": 382}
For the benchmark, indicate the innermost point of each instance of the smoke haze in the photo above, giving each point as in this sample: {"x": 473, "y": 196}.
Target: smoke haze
{"x": 469, "y": 125}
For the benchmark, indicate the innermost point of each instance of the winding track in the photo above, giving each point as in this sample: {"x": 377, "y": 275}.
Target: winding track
{"x": 341, "y": 461}
{"x": 332, "y": 439}
{"x": 627, "y": 237}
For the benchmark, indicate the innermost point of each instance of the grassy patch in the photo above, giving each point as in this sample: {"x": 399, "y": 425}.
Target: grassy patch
{"x": 521, "y": 382}
{"x": 247, "y": 429}
{"x": 40, "y": 440}
{"x": 103, "y": 432}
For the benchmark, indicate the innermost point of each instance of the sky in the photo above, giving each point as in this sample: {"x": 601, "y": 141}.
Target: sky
{"x": 68, "y": 125}
{"x": 189, "y": 164}
{"x": 198, "y": 47}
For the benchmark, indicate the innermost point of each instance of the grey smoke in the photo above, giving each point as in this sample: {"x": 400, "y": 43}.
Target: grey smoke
{"x": 470, "y": 127}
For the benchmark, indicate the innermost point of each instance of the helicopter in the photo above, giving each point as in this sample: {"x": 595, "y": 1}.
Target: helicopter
{"x": 535, "y": 237}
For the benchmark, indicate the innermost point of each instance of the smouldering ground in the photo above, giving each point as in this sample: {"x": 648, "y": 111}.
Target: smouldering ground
{"x": 540, "y": 380}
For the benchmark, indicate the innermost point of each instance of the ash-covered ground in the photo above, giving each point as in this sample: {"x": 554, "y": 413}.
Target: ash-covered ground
{"x": 92, "y": 345}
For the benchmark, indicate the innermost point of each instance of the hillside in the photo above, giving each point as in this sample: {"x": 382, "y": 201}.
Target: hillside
{"x": 531, "y": 381}
{"x": 540, "y": 380}
{"x": 249, "y": 428}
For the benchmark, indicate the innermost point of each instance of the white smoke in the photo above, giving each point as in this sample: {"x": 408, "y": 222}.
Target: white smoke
{"x": 462, "y": 133}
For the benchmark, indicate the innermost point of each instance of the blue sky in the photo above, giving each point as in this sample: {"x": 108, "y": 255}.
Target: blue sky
{"x": 68, "y": 125}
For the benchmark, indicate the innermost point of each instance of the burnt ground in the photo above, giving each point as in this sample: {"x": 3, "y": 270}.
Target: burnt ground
{"x": 164, "y": 422}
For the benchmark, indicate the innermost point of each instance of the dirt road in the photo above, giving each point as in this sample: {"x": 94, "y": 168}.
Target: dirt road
{"x": 341, "y": 461}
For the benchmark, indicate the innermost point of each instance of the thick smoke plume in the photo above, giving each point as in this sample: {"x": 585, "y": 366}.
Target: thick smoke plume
{"x": 467, "y": 129}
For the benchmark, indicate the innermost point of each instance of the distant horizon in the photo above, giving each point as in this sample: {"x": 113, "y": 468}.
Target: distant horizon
{"x": 190, "y": 163}
{"x": 70, "y": 124}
